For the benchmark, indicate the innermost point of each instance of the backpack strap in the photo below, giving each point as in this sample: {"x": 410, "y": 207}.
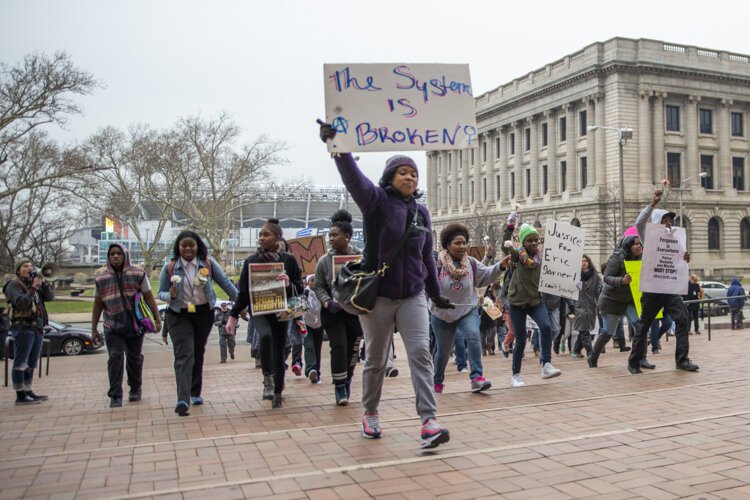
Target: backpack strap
{"x": 170, "y": 268}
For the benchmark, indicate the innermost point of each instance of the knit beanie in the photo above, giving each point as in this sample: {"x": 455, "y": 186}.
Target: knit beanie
{"x": 526, "y": 231}
{"x": 396, "y": 161}
{"x": 21, "y": 262}
{"x": 631, "y": 231}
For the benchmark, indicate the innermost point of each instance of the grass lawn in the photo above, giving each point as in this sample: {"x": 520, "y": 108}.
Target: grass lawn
{"x": 220, "y": 294}
{"x": 69, "y": 306}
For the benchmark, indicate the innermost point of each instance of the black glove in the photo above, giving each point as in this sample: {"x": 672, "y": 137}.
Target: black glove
{"x": 326, "y": 131}
{"x": 442, "y": 303}
{"x": 334, "y": 306}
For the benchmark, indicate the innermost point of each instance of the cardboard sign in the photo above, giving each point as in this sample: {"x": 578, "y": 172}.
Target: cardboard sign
{"x": 399, "y": 107}
{"x": 664, "y": 267}
{"x": 308, "y": 251}
{"x": 633, "y": 268}
{"x": 561, "y": 259}
{"x": 339, "y": 261}
{"x": 267, "y": 291}
{"x": 476, "y": 251}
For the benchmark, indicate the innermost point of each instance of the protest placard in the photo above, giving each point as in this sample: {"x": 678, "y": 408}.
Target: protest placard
{"x": 633, "y": 268}
{"x": 561, "y": 259}
{"x": 476, "y": 251}
{"x": 267, "y": 291}
{"x": 339, "y": 261}
{"x": 308, "y": 250}
{"x": 664, "y": 267}
{"x": 399, "y": 107}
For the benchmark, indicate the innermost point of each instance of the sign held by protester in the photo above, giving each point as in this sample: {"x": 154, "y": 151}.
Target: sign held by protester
{"x": 267, "y": 291}
{"x": 561, "y": 259}
{"x": 308, "y": 250}
{"x": 633, "y": 268}
{"x": 399, "y": 107}
{"x": 340, "y": 261}
{"x": 664, "y": 267}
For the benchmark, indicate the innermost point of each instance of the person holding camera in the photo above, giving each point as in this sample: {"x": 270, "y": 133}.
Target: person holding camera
{"x": 26, "y": 296}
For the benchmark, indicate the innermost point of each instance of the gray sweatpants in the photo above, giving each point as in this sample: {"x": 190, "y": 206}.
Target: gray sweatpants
{"x": 411, "y": 318}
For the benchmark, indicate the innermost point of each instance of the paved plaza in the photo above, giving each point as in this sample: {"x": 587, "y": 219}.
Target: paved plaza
{"x": 589, "y": 433}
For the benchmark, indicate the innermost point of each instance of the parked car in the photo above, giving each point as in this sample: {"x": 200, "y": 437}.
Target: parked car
{"x": 715, "y": 290}
{"x": 65, "y": 339}
{"x": 163, "y": 308}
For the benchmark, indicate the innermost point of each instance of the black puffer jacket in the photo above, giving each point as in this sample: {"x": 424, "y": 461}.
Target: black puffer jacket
{"x": 616, "y": 297}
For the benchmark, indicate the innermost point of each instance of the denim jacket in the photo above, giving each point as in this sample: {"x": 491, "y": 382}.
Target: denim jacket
{"x": 217, "y": 274}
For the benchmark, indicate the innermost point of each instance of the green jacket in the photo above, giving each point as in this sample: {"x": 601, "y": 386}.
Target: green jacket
{"x": 523, "y": 289}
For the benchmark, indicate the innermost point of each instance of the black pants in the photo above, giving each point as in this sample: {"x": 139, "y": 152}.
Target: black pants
{"x": 650, "y": 305}
{"x": 344, "y": 336}
{"x": 272, "y": 336}
{"x": 583, "y": 341}
{"x": 313, "y": 348}
{"x": 131, "y": 349}
{"x": 693, "y": 311}
{"x": 189, "y": 333}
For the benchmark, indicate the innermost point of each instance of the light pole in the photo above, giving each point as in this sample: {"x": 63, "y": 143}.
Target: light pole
{"x": 623, "y": 134}
{"x": 682, "y": 183}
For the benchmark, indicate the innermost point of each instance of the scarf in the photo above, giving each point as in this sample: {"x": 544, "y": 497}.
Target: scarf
{"x": 108, "y": 289}
{"x": 449, "y": 265}
{"x": 266, "y": 256}
{"x": 528, "y": 261}
{"x": 585, "y": 275}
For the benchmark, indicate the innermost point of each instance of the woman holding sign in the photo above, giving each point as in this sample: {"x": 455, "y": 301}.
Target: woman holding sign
{"x": 392, "y": 214}
{"x": 525, "y": 300}
{"x": 271, "y": 328}
{"x": 344, "y": 330}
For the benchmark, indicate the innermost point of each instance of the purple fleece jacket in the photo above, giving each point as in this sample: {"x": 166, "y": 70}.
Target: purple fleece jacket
{"x": 413, "y": 269}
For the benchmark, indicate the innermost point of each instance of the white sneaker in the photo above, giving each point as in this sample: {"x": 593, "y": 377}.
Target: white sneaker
{"x": 549, "y": 371}
{"x": 517, "y": 380}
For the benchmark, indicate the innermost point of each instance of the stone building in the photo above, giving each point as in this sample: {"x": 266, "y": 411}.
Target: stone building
{"x": 687, "y": 108}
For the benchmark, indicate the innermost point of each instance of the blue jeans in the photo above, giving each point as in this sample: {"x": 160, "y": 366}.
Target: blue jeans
{"x": 540, "y": 316}
{"x": 445, "y": 334}
{"x": 612, "y": 322}
{"x": 459, "y": 343}
{"x": 27, "y": 345}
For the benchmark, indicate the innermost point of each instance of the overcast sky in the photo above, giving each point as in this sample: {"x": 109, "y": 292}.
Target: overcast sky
{"x": 262, "y": 62}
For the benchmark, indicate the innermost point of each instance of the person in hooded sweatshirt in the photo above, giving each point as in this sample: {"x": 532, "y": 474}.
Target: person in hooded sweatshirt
{"x": 115, "y": 289}
{"x": 652, "y": 302}
{"x": 736, "y": 299}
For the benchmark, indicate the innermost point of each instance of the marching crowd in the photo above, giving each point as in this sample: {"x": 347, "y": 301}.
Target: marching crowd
{"x": 430, "y": 299}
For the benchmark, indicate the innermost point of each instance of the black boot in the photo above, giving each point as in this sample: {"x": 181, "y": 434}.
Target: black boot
{"x": 622, "y": 345}
{"x": 593, "y": 358}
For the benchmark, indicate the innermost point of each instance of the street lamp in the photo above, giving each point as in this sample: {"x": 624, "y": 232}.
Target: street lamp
{"x": 623, "y": 134}
{"x": 682, "y": 183}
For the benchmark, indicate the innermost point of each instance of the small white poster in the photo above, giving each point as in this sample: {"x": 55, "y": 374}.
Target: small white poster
{"x": 561, "y": 259}
{"x": 664, "y": 268}
{"x": 399, "y": 107}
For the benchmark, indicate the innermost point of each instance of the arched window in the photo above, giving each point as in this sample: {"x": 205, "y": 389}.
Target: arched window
{"x": 745, "y": 233}
{"x": 575, "y": 222}
{"x": 714, "y": 233}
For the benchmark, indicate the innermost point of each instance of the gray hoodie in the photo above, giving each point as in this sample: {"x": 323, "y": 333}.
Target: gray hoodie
{"x": 654, "y": 214}
{"x": 461, "y": 291}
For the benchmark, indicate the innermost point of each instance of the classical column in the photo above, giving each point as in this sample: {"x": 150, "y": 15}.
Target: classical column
{"x": 465, "y": 194}
{"x": 432, "y": 181}
{"x": 645, "y": 163}
{"x": 519, "y": 159}
{"x": 553, "y": 169}
{"x": 490, "y": 172}
{"x": 599, "y": 139}
{"x": 723, "y": 167}
{"x": 588, "y": 102}
{"x": 453, "y": 201}
{"x": 691, "y": 138}
{"x": 534, "y": 155}
{"x": 504, "y": 191}
{"x": 477, "y": 174}
{"x": 660, "y": 168}
{"x": 570, "y": 147}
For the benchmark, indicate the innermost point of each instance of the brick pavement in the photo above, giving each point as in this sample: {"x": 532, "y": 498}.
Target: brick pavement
{"x": 589, "y": 433}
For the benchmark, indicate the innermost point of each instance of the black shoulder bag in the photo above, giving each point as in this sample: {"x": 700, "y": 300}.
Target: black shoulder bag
{"x": 355, "y": 288}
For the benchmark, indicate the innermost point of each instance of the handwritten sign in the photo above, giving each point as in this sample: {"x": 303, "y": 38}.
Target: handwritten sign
{"x": 267, "y": 291}
{"x": 339, "y": 261}
{"x": 308, "y": 250}
{"x": 399, "y": 107}
{"x": 664, "y": 267}
{"x": 633, "y": 268}
{"x": 561, "y": 259}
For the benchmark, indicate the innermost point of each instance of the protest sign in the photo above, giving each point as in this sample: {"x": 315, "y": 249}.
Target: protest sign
{"x": 399, "y": 107}
{"x": 664, "y": 267}
{"x": 633, "y": 268}
{"x": 267, "y": 291}
{"x": 476, "y": 251}
{"x": 308, "y": 251}
{"x": 339, "y": 261}
{"x": 561, "y": 259}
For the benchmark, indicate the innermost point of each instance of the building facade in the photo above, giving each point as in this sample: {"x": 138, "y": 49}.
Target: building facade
{"x": 688, "y": 109}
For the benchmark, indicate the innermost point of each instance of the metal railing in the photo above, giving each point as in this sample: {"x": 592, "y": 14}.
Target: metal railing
{"x": 723, "y": 300}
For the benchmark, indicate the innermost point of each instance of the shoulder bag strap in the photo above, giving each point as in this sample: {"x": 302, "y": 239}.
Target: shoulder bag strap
{"x": 400, "y": 244}
{"x": 125, "y": 304}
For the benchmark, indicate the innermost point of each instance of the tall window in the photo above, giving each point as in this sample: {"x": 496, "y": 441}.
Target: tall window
{"x": 497, "y": 147}
{"x": 484, "y": 151}
{"x": 737, "y": 125}
{"x": 584, "y": 176}
{"x": 672, "y": 118}
{"x": 440, "y": 166}
{"x": 563, "y": 128}
{"x": 450, "y": 162}
{"x": 528, "y": 181}
{"x": 513, "y": 143}
{"x": 563, "y": 174}
{"x": 527, "y": 139}
{"x": 706, "y": 121}
{"x": 472, "y": 156}
{"x": 738, "y": 173}
{"x": 471, "y": 193}
{"x": 497, "y": 186}
{"x": 575, "y": 222}
{"x": 544, "y": 134}
{"x": 582, "y": 123}
{"x": 544, "y": 179}
{"x": 450, "y": 197}
{"x": 512, "y": 184}
{"x": 714, "y": 234}
{"x": 673, "y": 169}
{"x": 440, "y": 198}
{"x": 745, "y": 233}
{"x": 460, "y": 194}
{"x": 484, "y": 189}
{"x": 707, "y": 166}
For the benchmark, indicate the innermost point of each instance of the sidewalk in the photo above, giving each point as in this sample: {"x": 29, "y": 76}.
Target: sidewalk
{"x": 589, "y": 433}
